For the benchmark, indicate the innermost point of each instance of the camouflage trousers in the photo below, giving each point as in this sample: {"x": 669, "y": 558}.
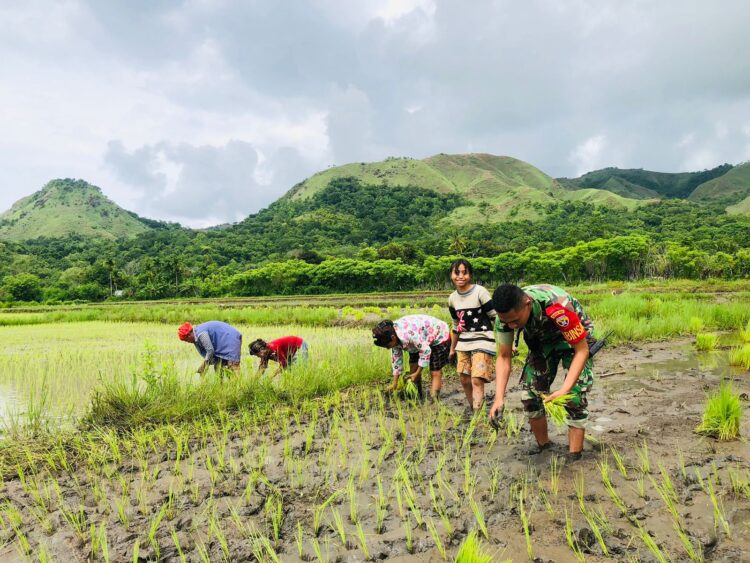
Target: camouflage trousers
{"x": 539, "y": 373}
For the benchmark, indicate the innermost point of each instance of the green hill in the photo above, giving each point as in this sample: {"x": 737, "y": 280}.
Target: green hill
{"x": 637, "y": 183}
{"x": 65, "y": 207}
{"x": 498, "y": 188}
{"x": 731, "y": 188}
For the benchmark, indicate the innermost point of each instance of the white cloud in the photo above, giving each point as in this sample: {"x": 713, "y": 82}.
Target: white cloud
{"x": 587, "y": 156}
{"x": 296, "y": 86}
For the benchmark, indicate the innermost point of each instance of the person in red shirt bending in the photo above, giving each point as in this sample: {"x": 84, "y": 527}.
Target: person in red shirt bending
{"x": 286, "y": 350}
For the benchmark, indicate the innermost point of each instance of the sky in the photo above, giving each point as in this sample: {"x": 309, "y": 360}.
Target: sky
{"x": 203, "y": 111}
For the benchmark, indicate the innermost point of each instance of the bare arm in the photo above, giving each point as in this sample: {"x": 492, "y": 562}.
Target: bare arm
{"x": 454, "y": 341}
{"x": 503, "y": 366}
{"x": 576, "y": 367}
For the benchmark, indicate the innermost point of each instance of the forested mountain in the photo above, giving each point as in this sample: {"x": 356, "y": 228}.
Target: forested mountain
{"x": 494, "y": 188}
{"x": 644, "y": 184}
{"x": 377, "y": 231}
{"x": 65, "y": 207}
{"x": 732, "y": 188}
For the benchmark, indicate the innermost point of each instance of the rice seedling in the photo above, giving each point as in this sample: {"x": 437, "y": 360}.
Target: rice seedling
{"x": 494, "y": 481}
{"x": 362, "y": 541}
{"x": 645, "y": 463}
{"x": 436, "y": 538}
{"x": 352, "y": 494}
{"x": 651, "y": 544}
{"x": 740, "y": 356}
{"x": 740, "y": 484}
{"x": 407, "y": 531}
{"x": 603, "y": 465}
{"x": 479, "y": 517}
{"x": 299, "y": 539}
{"x": 319, "y": 510}
{"x": 718, "y": 508}
{"x": 706, "y": 341}
{"x": 722, "y": 414}
{"x": 525, "y": 520}
{"x": 469, "y": 480}
{"x": 572, "y": 543}
{"x": 338, "y": 525}
{"x": 471, "y": 551}
{"x": 381, "y": 508}
{"x": 555, "y": 467}
{"x": 178, "y": 547}
{"x": 594, "y": 523}
{"x": 275, "y": 511}
{"x": 695, "y": 554}
{"x": 318, "y": 552}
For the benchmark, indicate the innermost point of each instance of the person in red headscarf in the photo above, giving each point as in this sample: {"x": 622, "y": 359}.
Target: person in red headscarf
{"x": 219, "y": 343}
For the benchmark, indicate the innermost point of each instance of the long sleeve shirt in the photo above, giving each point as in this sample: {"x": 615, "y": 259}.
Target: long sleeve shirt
{"x": 416, "y": 334}
{"x": 205, "y": 346}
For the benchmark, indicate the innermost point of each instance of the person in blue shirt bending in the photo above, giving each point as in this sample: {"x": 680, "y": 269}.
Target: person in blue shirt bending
{"x": 219, "y": 343}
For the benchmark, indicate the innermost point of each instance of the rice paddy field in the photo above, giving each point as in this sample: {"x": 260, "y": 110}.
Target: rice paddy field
{"x": 113, "y": 449}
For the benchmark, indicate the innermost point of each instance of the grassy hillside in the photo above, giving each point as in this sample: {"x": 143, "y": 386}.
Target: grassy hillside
{"x": 645, "y": 184}
{"x": 741, "y": 208}
{"x": 65, "y": 207}
{"x": 731, "y": 188}
{"x": 498, "y": 188}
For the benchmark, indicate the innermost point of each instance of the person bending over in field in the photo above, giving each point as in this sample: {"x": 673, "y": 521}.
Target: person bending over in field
{"x": 472, "y": 337}
{"x": 220, "y": 344}
{"x": 556, "y": 329}
{"x": 427, "y": 340}
{"x": 286, "y": 350}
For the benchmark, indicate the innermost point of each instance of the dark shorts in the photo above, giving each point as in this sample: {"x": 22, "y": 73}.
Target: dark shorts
{"x": 438, "y": 356}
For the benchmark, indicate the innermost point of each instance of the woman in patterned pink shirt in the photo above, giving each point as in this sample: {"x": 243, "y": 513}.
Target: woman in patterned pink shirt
{"x": 427, "y": 340}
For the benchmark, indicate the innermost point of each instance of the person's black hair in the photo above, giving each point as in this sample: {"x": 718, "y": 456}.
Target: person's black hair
{"x": 462, "y": 262}
{"x": 256, "y": 346}
{"x": 507, "y": 297}
{"x": 383, "y": 333}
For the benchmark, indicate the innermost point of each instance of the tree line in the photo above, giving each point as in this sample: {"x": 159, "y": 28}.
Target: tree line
{"x": 355, "y": 237}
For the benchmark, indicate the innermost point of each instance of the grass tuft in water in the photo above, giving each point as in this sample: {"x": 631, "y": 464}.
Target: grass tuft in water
{"x": 706, "y": 341}
{"x": 740, "y": 356}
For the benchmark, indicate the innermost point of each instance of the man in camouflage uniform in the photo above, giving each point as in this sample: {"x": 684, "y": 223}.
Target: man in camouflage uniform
{"x": 556, "y": 329}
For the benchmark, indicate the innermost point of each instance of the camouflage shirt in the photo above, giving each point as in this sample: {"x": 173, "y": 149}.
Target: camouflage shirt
{"x": 555, "y": 317}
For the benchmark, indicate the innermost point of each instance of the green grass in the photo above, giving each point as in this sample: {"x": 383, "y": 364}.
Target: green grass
{"x": 740, "y": 356}
{"x": 706, "y": 341}
{"x": 722, "y": 414}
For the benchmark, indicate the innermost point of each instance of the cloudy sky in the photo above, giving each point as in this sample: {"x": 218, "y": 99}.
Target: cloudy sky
{"x": 202, "y": 111}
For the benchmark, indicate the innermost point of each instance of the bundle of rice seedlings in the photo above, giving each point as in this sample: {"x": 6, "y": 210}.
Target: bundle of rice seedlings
{"x": 740, "y": 356}
{"x": 471, "y": 551}
{"x": 410, "y": 389}
{"x": 721, "y": 418}
{"x": 706, "y": 341}
{"x": 555, "y": 409}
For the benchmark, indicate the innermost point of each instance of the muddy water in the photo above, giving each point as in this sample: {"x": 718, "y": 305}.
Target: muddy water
{"x": 644, "y": 405}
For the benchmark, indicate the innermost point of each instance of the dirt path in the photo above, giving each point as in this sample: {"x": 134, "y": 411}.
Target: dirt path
{"x": 360, "y": 476}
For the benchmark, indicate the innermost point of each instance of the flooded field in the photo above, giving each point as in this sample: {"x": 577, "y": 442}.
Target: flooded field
{"x": 360, "y": 476}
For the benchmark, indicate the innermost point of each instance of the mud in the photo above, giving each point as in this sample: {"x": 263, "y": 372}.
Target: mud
{"x": 325, "y": 463}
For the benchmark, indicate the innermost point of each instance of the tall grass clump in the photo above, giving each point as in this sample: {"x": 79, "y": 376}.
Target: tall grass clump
{"x": 740, "y": 356}
{"x": 745, "y": 332}
{"x": 721, "y": 417}
{"x": 706, "y": 341}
